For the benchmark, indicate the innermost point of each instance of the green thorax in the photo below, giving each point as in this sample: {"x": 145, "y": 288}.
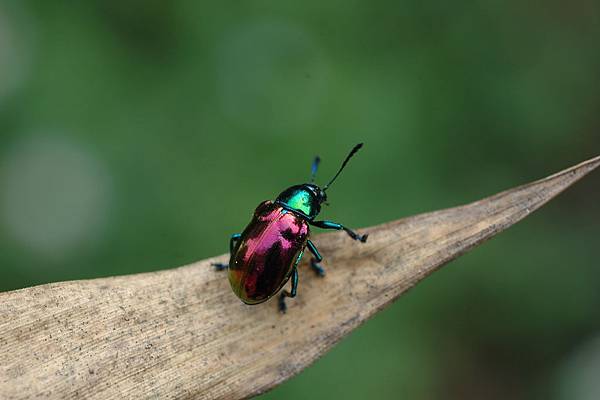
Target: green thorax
{"x": 304, "y": 198}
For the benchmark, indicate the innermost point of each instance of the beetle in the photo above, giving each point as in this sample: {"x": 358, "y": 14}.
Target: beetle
{"x": 266, "y": 254}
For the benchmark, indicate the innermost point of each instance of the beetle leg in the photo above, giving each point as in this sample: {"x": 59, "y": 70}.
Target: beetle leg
{"x": 335, "y": 225}
{"x": 232, "y": 242}
{"x": 314, "y": 262}
{"x": 219, "y": 266}
{"x": 285, "y": 293}
{"x": 234, "y": 238}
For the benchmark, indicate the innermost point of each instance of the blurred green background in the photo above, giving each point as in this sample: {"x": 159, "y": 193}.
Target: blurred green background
{"x": 137, "y": 135}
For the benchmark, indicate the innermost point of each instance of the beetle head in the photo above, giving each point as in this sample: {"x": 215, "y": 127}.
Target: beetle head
{"x": 319, "y": 195}
{"x": 305, "y": 198}
{"x": 308, "y": 197}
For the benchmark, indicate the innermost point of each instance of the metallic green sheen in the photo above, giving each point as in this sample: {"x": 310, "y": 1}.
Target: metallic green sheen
{"x": 302, "y": 198}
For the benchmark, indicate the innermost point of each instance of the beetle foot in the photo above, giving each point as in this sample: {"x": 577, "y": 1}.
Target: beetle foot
{"x": 356, "y": 236}
{"x": 219, "y": 266}
{"x": 282, "y": 305}
{"x": 319, "y": 270}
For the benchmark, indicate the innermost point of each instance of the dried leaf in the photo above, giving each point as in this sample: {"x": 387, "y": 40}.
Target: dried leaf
{"x": 182, "y": 333}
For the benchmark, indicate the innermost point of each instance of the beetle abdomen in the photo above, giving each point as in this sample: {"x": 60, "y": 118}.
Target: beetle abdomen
{"x": 267, "y": 252}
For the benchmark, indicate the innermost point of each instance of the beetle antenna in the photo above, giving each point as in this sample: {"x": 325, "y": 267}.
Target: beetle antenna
{"x": 352, "y": 152}
{"x": 313, "y": 170}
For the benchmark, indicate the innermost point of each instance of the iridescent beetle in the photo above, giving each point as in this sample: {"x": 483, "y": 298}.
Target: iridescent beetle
{"x": 267, "y": 253}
